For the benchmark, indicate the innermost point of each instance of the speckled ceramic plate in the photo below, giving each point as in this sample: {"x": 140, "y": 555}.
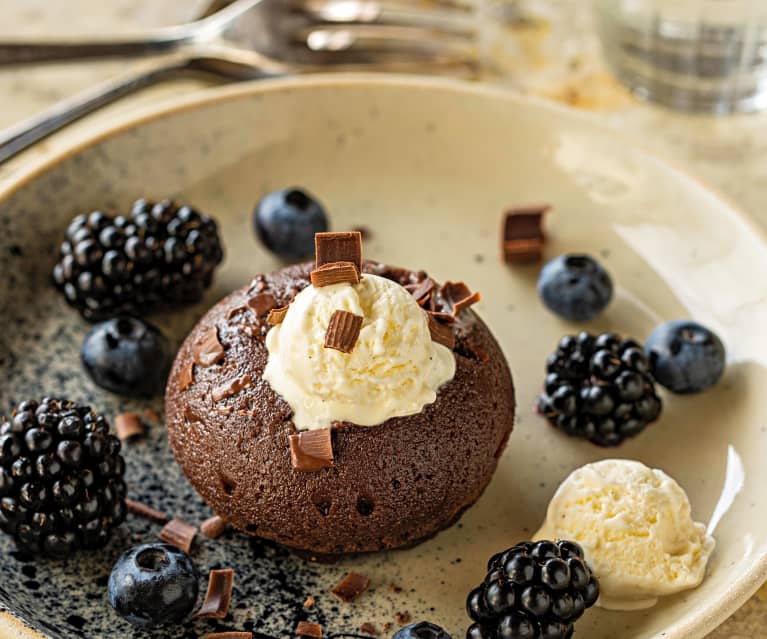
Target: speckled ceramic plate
{"x": 427, "y": 166}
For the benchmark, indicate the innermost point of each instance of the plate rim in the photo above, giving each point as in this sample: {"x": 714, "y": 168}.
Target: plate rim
{"x": 746, "y": 585}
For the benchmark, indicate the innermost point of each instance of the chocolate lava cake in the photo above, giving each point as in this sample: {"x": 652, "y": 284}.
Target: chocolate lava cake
{"x": 348, "y": 488}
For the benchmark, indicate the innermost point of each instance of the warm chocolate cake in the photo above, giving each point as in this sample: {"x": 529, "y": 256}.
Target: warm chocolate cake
{"x": 353, "y": 488}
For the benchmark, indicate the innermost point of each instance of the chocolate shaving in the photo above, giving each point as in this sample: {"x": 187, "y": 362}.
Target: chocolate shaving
{"x": 235, "y": 311}
{"x": 335, "y": 273}
{"x": 208, "y": 349}
{"x": 277, "y": 315}
{"x": 151, "y": 415}
{"x": 213, "y": 527}
{"x": 338, "y": 247}
{"x": 440, "y": 332}
{"x": 309, "y": 603}
{"x": 308, "y": 629}
{"x": 142, "y": 510}
{"x": 311, "y": 450}
{"x": 402, "y": 617}
{"x": 219, "y": 595}
{"x": 369, "y": 629}
{"x": 523, "y": 236}
{"x": 458, "y": 296}
{"x": 186, "y": 376}
{"x": 343, "y": 331}
{"x": 444, "y": 318}
{"x": 350, "y": 587}
{"x": 179, "y": 534}
{"x": 262, "y": 303}
{"x": 129, "y": 425}
{"x": 230, "y": 388}
{"x": 230, "y": 634}
{"x": 423, "y": 291}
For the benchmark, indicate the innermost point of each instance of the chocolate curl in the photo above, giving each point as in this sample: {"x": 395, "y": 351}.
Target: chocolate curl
{"x": 311, "y": 450}
{"x": 208, "y": 350}
{"x": 179, "y": 534}
{"x": 343, "y": 331}
{"x": 335, "y": 273}
{"x": 338, "y": 247}
{"x": 351, "y": 587}
{"x": 219, "y": 595}
{"x": 523, "y": 236}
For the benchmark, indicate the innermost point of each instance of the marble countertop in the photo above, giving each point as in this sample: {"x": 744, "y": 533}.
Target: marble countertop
{"x": 555, "y": 54}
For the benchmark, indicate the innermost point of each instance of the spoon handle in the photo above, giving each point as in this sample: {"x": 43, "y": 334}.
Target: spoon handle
{"x": 31, "y": 52}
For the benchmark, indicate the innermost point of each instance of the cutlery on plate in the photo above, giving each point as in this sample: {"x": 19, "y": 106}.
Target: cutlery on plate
{"x": 251, "y": 39}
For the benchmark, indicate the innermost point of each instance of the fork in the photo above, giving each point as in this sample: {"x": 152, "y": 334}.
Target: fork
{"x": 251, "y": 39}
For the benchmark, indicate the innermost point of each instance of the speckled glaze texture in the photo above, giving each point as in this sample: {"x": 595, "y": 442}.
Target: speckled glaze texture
{"x": 427, "y": 167}
{"x": 392, "y": 485}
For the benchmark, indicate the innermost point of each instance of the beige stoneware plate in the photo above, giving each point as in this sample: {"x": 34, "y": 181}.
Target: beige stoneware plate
{"x": 428, "y": 166}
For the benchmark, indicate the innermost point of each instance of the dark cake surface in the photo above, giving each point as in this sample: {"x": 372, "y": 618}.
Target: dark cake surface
{"x": 392, "y": 485}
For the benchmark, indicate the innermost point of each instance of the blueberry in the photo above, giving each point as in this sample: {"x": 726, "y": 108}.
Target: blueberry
{"x": 127, "y": 356}
{"x": 575, "y": 287}
{"x": 685, "y": 357}
{"x": 421, "y": 630}
{"x": 153, "y": 585}
{"x": 287, "y": 220}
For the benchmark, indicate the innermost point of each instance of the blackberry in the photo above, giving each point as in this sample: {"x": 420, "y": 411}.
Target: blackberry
{"x": 535, "y": 590}
{"x": 599, "y": 388}
{"x": 161, "y": 255}
{"x": 61, "y": 477}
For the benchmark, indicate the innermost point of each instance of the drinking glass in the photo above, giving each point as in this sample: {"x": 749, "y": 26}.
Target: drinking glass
{"x": 693, "y": 55}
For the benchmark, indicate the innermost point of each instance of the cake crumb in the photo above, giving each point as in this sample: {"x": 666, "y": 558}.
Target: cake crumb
{"x": 394, "y": 587}
{"x": 402, "y": 617}
{"x": 309, "y": 603}
{"x": 307, "y": 629}
{"x": 369, "y": 628}
{"x": 387, "y": 626}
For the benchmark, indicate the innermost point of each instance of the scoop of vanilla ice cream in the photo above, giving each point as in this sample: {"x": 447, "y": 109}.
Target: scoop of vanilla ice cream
{"x": 635, "y": 526}
{"x": 394, "y": 370}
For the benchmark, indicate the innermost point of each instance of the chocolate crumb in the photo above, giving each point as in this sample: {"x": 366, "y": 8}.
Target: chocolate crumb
{"x": 277, "y": 315}
{"x": 338, "y": 247}
{"x": 178, "y": 533}
{"x": 308, "y": 629}
{"x": 369, "y": 629}
{"x": 129, "y": 426}
{"x": 335, "y": 273}
{"x": 186, "y": 376}
{"x": 441, "y": 333}
{"x": 262, "y": 303}
{"x": 151, "y": 415}
{"x": 343, "y": 331}
{"x": 523, "y": 236}
{"x": 213, "y": 527}
{"x": 402, "y": 617}
{"x": 208, "y": 350}
{"x": 309, "y": 603}
{"x": 230, "y": 388}
{"x": 350, "y": 587}
{"x": 142, "y": 510}
{"x": 311, "y": 450}
{"x": 219, "y": 595}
